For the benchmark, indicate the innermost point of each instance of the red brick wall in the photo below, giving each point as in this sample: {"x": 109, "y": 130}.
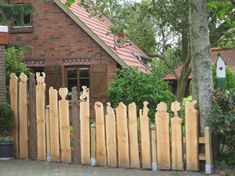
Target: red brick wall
{"x": 2, "y": 75}
{"x": 55, "y": 37}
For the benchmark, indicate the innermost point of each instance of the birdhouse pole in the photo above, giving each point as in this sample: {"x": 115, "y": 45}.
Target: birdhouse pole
{"x": 220, "y": 73}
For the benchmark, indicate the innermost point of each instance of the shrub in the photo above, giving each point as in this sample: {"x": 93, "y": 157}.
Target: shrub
{"x": 131, "y": 85}
{"x": 6, "y": 119}
{"x": 223, "y": 124}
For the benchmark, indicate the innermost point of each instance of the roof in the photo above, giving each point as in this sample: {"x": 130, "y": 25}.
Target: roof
{"x": 98, "y": 29}
{"x": 228, "y": 55}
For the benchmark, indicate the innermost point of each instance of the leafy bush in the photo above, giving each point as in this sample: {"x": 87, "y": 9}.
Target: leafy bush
{"x": 223, "y": 124}
{"x": 6, "y": 119}
{"x": 131, "y": 85}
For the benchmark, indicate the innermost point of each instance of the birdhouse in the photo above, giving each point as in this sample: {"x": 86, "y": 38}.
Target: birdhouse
{"x": 220, "y": 73}
{"x": 220, "y": 68}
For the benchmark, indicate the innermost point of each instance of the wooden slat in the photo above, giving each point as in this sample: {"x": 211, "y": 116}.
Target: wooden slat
{"x": 191, "y": 133}
{"x": 122, "y": 135}
{"x": 111, "y": 136}
{"x": 85, "y": 126}
{"x": 93, "y": 142}
{"x": 154, "y": 149}
{"x": 76, "y": 152}
{"x": 32, "y": 118}
{"x": 208, "y": 151}
{"x": 162, "y": 133}
{"x": 23, "y": 117}
{"x": 64, "y": 126}
{"x": 48, "y": 140}
{"x": 13, "y": 90}
{"x": 133, "y": 136}
{"x": 145, "y": 137}
{"x": 176, "y": 138}
{"x": 100, "y": 135}
{"x": 54, "y": 124}
{"x": 201, "y": 140}
{"x": 40, "y": 116}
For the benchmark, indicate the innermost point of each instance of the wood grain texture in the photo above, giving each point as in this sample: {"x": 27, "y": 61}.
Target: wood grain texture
{"x": 162, "y": 133}
{"x": 54, "y": 124}
{"x": 176, "y": 138}
{"x": 133, "y": 136}
{"x": 23, "y": 117}
{"x": 85, "y": 126}
{"x": 76, "y": 152}
{"x": 93, "y": 145}
{"x": 32, "y": 118}
{"x": 111, "y": 141}
{"x": 100, "y": 135}
{"x": 145, "y": 137}
{"x": 48, "y": 139}
{"x": 40, "y": 116}
{"x": 191, "y": 133}
{"x": 122, "y": 135}
{"x": 13, "y": 90}
{"x": 64, "y": 126}
{"x": 154, "y": 149}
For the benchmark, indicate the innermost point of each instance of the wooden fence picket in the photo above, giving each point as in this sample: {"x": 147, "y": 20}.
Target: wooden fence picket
{"x": 64, "y": 126}
{"x": 76, "y": 155}
{"x": 145, "y": 137}
{"x": 32, "y": 118}
{"x": 191, "y": 133}
{"x": 40, "y": 116}
{"x": 54, "y": 124}
{"x": 85, "y": 126}
{"x": 133, "y": 136}
{"x": 122, "y": 135}
{"x": 100, "y": 135}
{"x": 23, "y": 117}
{"x": 162, "y": 133}
{"x": 13, "y": 89}
{"x": 176, "y": 138}
{"x": 111, "y": 141}
{"x": 154, "y": 149}
{"x": 208, "y": 151}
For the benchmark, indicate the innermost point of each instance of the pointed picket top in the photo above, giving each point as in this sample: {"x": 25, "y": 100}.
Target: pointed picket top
{"x": 121, "y": 105}
{"x": 13, "y": 76}
{"x": 23, "y": 78}
{"x": 109, "y": 110}
{"x": 40, "y": 77}
{"x": 85, "y": 93}
{"x": 161, "y": 107}
{"x": 175, "y": 107}
{"x": 63, "y": 93}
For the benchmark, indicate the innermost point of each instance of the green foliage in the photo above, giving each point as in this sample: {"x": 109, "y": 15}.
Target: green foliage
{"x": 131, "y": 85}
{"x": 6, "y": 118}
{"x": 223, "y": 123}
{"x": 230, "y": 77}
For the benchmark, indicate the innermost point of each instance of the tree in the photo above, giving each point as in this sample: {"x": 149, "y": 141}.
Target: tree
{"x": 202, "y": 84}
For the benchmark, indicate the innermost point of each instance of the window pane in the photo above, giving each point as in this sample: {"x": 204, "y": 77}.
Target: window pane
{"x": 27, "y": 20}
{"x": 72, "y": 81}
{"x": 84, "y": 72}
{"x": 72, "y": 74}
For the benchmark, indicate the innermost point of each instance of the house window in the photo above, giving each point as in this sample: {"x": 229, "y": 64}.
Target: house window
{"x": 77, "y": 77}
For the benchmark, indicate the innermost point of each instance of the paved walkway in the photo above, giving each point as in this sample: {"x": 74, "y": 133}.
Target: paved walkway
{"x": 42, "y": 168}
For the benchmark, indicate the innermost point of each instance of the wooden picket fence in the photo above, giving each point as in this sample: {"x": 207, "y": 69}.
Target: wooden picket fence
{"x": 118, "y": 137}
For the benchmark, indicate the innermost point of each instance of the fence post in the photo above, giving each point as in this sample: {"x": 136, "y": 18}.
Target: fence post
{"x": 40, "y": 115}
{"x": 133, "y": 136}
{"x": 13, "y": 89}
{"x": 32, "y": 118}
{"x": 163, "y": 139}
{"x": 122, "y": 135}
{"x": 111, "y": 141}
{"x": 191, "y": 134}
{"x": 208, "y": 151}
{"x": 76, "y": 156}
{"x": 93, "y": 146}
{"x": 176, "y": 138}
{"x": 100, "y": 135}
{"x": 23, "y": 116}
{"x": 54, "y": 124}
{"x": 48, "y": 141}
{"x": 85, "y": 126}
{"x": 64, "y": 126}
{"x": 145, "y": 137}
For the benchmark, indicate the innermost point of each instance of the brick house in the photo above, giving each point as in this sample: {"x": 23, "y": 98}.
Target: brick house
{"x": 73, "y": 48}
{"x": 228, "y": 55}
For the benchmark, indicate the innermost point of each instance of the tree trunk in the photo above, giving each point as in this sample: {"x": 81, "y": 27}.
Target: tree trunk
{"x": 200, "y": 54}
